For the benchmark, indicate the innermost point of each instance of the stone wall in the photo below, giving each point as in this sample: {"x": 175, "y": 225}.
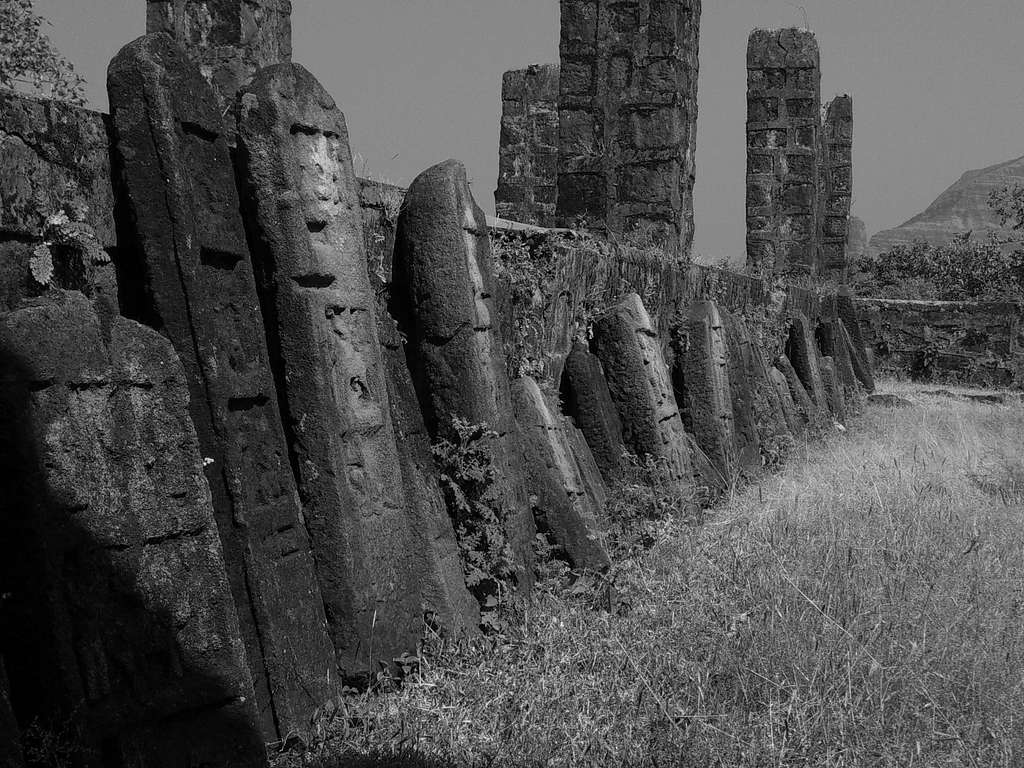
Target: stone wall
{"x": 836, "y": 189}
{"x": 783, "y": 133}
{"x": 627, "y": 117}
{"x": 979, "y": 343}
{"x": 528, "y": 149}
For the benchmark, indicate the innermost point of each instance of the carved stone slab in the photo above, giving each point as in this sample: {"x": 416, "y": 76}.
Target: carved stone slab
{"x": 587, "y": 400}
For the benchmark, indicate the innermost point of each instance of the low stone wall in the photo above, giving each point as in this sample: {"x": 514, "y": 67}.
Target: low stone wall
{"x": 978, "y": 343}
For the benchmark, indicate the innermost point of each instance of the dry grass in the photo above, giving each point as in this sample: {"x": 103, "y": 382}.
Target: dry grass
{"x": 864, "y": 607}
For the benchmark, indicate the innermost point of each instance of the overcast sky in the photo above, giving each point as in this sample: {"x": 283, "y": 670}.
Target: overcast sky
{"x": 938, "y": 86}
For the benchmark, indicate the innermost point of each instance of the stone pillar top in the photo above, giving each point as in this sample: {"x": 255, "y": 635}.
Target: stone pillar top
{"x": 783, "y": 48}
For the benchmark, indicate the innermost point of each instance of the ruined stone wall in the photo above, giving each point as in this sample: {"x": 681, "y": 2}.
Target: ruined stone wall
{"x": 836, "y": 190}
{"x": 528, "y": 149}
{"x": 627, "y": 117}
{"x": 228, "y": 40}
{"x": 980, "y": 343}
{"x": 783, "y": 127}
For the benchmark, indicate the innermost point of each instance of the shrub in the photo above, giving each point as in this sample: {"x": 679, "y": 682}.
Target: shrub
{"x": 28, "y": 60}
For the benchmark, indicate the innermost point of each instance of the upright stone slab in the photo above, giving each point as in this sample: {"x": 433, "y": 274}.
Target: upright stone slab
{"x": 833, "y": 389}
{"x": 180, "y": 187}
{"x": 802, "y": 351}
{"x": 528, "y": 149}
{"x": 739, "y": 356}
{"x": 850, "y": 316}
{"x": 836, "y": 169}
{"x": 588, "y": 402}
{"x": 834, "y": 341}
{"x": 794, "y": 420}
{"x": 118, "y": 620}
{"x": 442, "y": 296}
{"x": 805, "y": 406}
{"x": 628, "y": 116}
{"x": 447, "y": 604}
{"x": 228, "y": 39}
{"x": 783, "y": 126}
{"x": 701, "y": 376}
{"x": 769, "y": 410}
{"x": 306, "y": 226}
{"x": 641, "y": 387}
{"x": 562, "y": 507}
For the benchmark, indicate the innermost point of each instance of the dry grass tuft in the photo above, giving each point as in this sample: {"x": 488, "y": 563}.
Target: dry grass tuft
{"x": 863, "y": 607}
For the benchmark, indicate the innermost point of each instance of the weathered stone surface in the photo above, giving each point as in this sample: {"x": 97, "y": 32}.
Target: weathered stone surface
{"x": 119, "y": 622}
{"x": 443, "y": 299}
{"x": 307, "y": 232}
{"x": 836, "y": 186}
{"x": 802, "y": 351}
{"x": 783, "y": 129}
{"x": 628, "y": 115}
{"x": 977, "y": 343}
{"x": 180, "y": 187}
{"x": 589, "y": 403}
{"x": 833, "y": 389}
{"x": 834, "y": 341}
{"x": 739, "y": 356}
{"x": 770, "y": 417}
{"x": 11, "y": 755}
{"x": 447, "y": 604}
{"x": 593, "y": 483}
{"x": 790, "y": 412}
{"x": 856, "y": 241}
{"x": 228, "y": 39}
{"x": 563, "y": 509}
{"x": 701, "y": 379}
{"x": 805, "y": 406}
{"x": 641, "y": 387}
{"x": 850, "y": 313}
{"x": 887, "y": 400}
{"x": 528, "y": 147}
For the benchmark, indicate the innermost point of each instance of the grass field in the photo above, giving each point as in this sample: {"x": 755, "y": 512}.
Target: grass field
{"x": 862, "y": 607}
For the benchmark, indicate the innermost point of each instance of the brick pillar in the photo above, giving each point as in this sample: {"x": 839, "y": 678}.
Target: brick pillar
{"x": 228, "y": 39}
{"x": 528, "y": 154}
{"x": 783, "y": 127}
{"x": 627, "y": 116}
{"x": 837, "y": 173}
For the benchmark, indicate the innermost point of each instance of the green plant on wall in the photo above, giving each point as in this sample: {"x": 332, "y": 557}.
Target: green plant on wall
{"x": 28, "y": 59}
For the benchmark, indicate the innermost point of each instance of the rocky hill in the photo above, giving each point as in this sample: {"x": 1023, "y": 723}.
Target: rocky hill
{"x": 961, "y": 208}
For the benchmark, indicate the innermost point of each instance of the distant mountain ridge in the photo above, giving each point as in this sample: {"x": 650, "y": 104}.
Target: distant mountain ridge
{"x": 961, "y": 208}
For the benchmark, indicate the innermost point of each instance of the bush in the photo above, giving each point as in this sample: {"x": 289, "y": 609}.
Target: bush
{"x": 28, "y": 60}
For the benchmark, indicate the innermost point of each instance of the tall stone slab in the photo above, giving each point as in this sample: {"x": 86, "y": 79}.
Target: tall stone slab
{"x": 833, "y": 389}
{"x": 834, "y": 341}
{"x": 806, "y": 408}
{"x": 802, "y": 351}
{"x": 849, "y": 314}
{"x": 442, "y": 296}
{"x": 528, "y": 146}
{"x": 588, "y": 402}
{"x": 770, "y": 415}
{"x": 641, "y": 388}
{"x": 118, "y": 620}
{"x": 740, "y": 359}
{"x": 228, "y": 39}
{"x": 783, "y": 127}
{"x": 836, "y": 188}
{"x": 306, "y": 229}
{"x": 628, "y": 116}
{"x": 180, "y": 186}
{"x": 790, "y": 412}
{"x": 701, "y": 378}
{"x": 564, "y": 510}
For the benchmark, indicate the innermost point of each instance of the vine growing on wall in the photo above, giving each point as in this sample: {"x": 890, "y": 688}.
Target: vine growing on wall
{"x": 28, "y": 59}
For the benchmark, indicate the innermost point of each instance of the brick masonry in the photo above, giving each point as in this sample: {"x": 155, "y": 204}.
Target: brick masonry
{"x": 783, "y": 134}
{"x": 836, "y": 168}
{"x": 627, "y": 116}
{"x": 528, "y": 154}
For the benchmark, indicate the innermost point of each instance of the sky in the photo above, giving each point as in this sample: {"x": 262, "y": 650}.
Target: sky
{"x": 938, "y": 86}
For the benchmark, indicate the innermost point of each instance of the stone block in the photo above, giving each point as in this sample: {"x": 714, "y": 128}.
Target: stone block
{"x": 641, "y": 388}
{"x": 562, "y": 506}
{"x": 119, "y": 622}
{"x": 443, "y": 297}
{"x": 849, "y": 314}
{"x": 194, "y": 260}
{"x": 833, "y": 390}
{"x": 791, "y": 414}
{"x": 739, "y": 357}
{"x": 802, "y": 351}
{"x": 805, "y": 407}
{"x": 588, "y": 401}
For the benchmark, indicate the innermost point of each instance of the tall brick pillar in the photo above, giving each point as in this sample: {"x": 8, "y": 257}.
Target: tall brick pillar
{"x": 528, "y": 153}
{"x": 628, "y": 115}
{"x": 783, "y": 127}
{"x": 837, "y": 187}
{"x": 228, "y": 39}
